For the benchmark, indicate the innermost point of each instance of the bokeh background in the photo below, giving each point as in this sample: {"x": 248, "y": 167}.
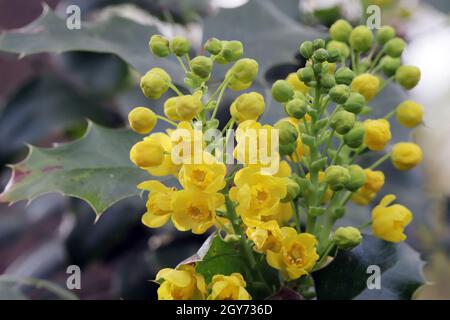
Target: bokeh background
{"x": 47, "y": 97}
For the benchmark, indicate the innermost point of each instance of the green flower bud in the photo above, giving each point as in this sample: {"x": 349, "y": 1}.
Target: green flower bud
{"x": 287, "y": 149}
{"x": 355, "y": 103}
{"x": 389, "y": 65}
{"x": 201, "y": 66}
{"x": 340, "y": 30}
{"x": 384, "y": 34}
{"x": 282, "y": 91}
{"x": 342, "y": 121}
{"x": 155, "y": 83}
{"x": 306, "y": 49}
{"x": 394, "y": 47}
{"x": 361, "y": 39}
{"x": 327, "y": 82}
{"x": 159, "y": 46}
{"x": 355, "y": 137}
{"x": 318, "y": 44}
{"x": 357, "y": 177}
{"x": 339, "y": 93}
{"x": 296, "y": 108}
{"x": 347, "y": 238}
{"x": 213, "y": 46}
{"x": 306, "y": 74}
{"x": 407, "y": 76}
{"x": 333, "y": 55}
{"x": 293, "y": 190}
{"x": 179, "y": 46}
{"x": 344, "y": 75}
{"x": 287, "y": 132}
{"x": 231, "y": 51}
{"x": 245, "y": 70}
{"x": 320, "y": 55}
{"x": 341, "y": 47}
{"x": 337, "y": 177}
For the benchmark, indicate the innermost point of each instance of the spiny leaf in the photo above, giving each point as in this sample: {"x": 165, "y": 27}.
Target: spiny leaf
{"x": 95, "y": 168}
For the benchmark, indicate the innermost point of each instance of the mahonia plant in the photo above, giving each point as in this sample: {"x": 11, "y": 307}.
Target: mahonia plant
{"x": 286, "y": 216}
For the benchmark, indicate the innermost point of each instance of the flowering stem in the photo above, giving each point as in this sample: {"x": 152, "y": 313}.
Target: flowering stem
{"x": 324, "y": 254}
{"x": 296, "y": 216}
{"x": 175, "y": 89}
{"x": 222, "y": 90}
{"x": 166, "y": 120}
{"x": 380, "y": 161}
{"x": 337, "y": 153}
{"x": 390, "y": 114}
{"x": 365, "y": 225}
{"x": 182, "y": 64}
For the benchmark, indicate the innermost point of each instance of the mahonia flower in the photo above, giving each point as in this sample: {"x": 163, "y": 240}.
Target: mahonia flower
{"x": 367, "y": 85}
{"x": 166, "y": 167}
{"x": 187, "y": 143}
{"x": 147, "y": 153}
{"x": 142, "y": 120}
{"x": 377, "y": 134}
{"x": 158, "y": 205}
{"x": 406, "y": 155}
{"x": 265, "y": 236}
{"x": 248, "y": 106}
{"x": 155, "y": 83}
{"x": 409, "y": 113}
{"x": 388, "y": 222}
{"x": 183, "y": 108}
{"x": 230, "y": 287}
{"x": 182, "y": 283}
{"x": 195, "y": 210}
{"x": 373, "y": 183}
{"x": 296, "y": 83}
{"x": 297, "y": 255}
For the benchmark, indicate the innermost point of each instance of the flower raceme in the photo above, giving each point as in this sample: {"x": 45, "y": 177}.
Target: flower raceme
{"x": 274, "y": 191}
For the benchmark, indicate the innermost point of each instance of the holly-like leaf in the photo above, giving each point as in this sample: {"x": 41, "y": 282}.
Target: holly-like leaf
{"x": 95, "y": 168}
{"x": 347, "y": 276}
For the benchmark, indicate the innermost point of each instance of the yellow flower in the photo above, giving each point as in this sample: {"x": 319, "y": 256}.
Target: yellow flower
{"x": 147, "y": 153}
{"x": 187, "y": 143}
{"x": 295, "y": 82}
{"x": 142, "y": 120}
{"x": 367, "y": 85}
{"x": 182, "y": 283}
{"x": 409, "y": 113}
{"x": 207, "y": 176}
{"x": 377, "y": 134}
{"x": 167, "y": 167}
{"x": 195, "y": 210}
{"x": 257, "y": 194}
{"x": 185, "y": 107}
{"x": 388, "y": 222}
{"x": 248, "y": 106}
{"x": 281, "y": 214}
{"x": 406, "y": 155}
{"x": 372, "y": 185}
{"x": 158, "y": 203}
{"x": 230, "y": 287}
{"x": 297, "y": 255}
{"x": 265, "y": 236}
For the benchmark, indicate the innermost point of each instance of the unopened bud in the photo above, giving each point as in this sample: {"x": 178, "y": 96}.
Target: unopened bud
{"x": 342, "y": 121}
{"x": 282, "y": 91}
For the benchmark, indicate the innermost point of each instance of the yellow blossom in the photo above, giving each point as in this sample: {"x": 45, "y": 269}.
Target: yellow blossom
{"x": 147, "y": 153}
{"x": 185, "y": 107}
{"x": 187, "y": 143}
{"x": 248, "y": 106}
{"x": 265, "y": 236}
{"x": 142, "y": 120}
{"x": 296, "y": 83}
{"x": 406, "y": 155}
{"x": 230, "y": 287}
{"x": 409, "y": 113}
{"x": 367, "y": 85}
{"x": 182, "y": 283}
{"x": 372, "y": 185}
{"x": 388, "y": 222}
{"x": 167, "y": 167}
{"x": 377, "y": 134}
{"x": 158, "y": 204}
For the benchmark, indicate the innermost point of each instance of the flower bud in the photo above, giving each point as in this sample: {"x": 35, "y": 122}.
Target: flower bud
{"x": 147, "y": 153}
{"x": 306, "y": 49}
{"x": 287, "y": 149}
{"x": 179, "y": 46}
{"x": 355, "y": 103}
{"x": 333, "y": 56}
{"x": 295, "y": 82}
{"x": 384, "y": 34}
{"x": 245, "y": 70}
{"x": 296, "y": 108}
{"x": 339, "y": 93}
{"x": 355, "y": 137}
{"x": 183, "y": 108}
{"x": 344, "y": 75}
{"x": 394, "y": 47}
{"x": 342, "y": 121}
{"x": 340, "y": 30}
{"x": 306, "y": 74}
{"x": 318, "y": 44}
{"x": 287, "y": 132}
{"x": 341, "y": 47}
{"x": 159, "y": 46}
{"x": 377, "y": 134}
{"x": 367, "y": 85}
{"x": 213, "y": 46}
{"x": 409, "y": 114}
{"x": 201, "y": 66}
{"x": 327, "y": 81}
{"x": 361, "y": 38}
{"x": 406, "y": 155}
{"x": 248, "y": 106}
{"x": 142, "y": 120}
{"x": 155, "y": 83}
{"x": 337, "y": 177}
{"x": 357, "y": 177}
{"x": 347, "y": 238}
{"x": 390, "y": 65}
{"x": 282, "y": 91}
{"x": 231, "y": 51}
{"x": 407, "y": 76}
{"x": 320, "y": 55}
{"x": 293, "y": 190}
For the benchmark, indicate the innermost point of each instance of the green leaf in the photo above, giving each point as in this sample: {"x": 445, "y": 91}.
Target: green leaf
{"x": 346, "y": 277}
{"x": 218, "y": 256}
{"x": 123, "y": 37}
{"x": 95, "y": 168}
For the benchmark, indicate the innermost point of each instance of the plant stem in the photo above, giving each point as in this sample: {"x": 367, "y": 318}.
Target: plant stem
{"x": 219, "y": 98}
{"x": 380, "y": 161}
{"x": 182, "y": 64}
{"x": 296, "y": 216}
{"x": 166, "y": 120}
{"x": 175, "y": 89}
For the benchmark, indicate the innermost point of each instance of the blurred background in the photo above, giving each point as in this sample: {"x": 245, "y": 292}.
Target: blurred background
{"x": 47, "y": 97}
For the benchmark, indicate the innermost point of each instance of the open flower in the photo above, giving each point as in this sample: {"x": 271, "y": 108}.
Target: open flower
{"x": 373, "y": 183}
{"x": 230, "y": 287}
{"x": 158, "y": 204}
{"x": 182, "y": 283}
{"x": 265, "y": 236}
{"x": 166, "y": 167}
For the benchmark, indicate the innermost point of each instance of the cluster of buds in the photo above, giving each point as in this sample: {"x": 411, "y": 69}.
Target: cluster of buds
{"x": 286, "y": 215}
